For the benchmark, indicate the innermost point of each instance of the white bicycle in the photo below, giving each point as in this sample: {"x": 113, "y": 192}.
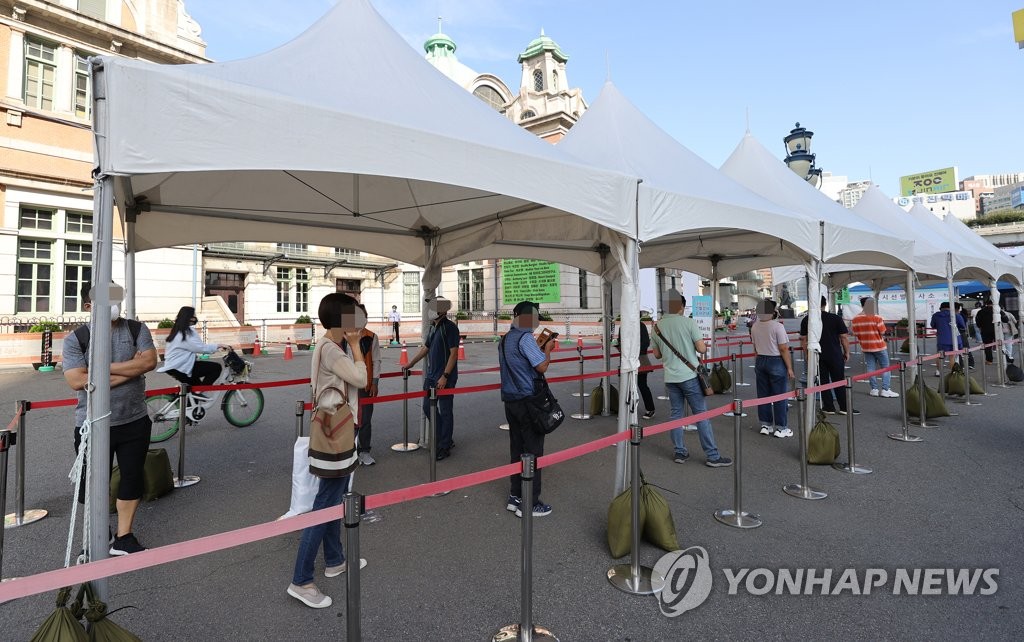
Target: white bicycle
{"x": 240, "y": 407}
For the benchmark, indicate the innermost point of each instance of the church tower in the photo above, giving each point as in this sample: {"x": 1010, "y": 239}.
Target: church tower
{"x": 545, "y": 106}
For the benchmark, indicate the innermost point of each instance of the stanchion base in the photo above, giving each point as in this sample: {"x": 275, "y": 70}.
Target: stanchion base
{"x": 576, "y": 394}
{"x": 743, "y": 520}
{"x": 646, "y": 583}
{"x": 803, "y": 492}
{"x": 442, "y": 493}
{"x": 964, "y": 402}
{"x": 742, "y": 385}
{"x": 577, "y": 415}
{"x": 502, "y": 426}
{"x": 1001, "y": 385}
{"x": 370, "y": 516}
{"x": 898, "y": 436}
{"x": 733, "y": 414}
{"x": 29, "y": 516}
{"x": 925, "y": 424}
{"x": 406, "y": 447}
{"x": 510, "y": 633}
{"x": 988, "y": 394}
{"x": 855, "y": 469}
{"x": 187, "y": 480}
{"x": 663, "y": 398}
{"x": 45, "y": 368}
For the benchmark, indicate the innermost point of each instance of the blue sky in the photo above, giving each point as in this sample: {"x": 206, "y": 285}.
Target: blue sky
{"x": 889, "y": 88}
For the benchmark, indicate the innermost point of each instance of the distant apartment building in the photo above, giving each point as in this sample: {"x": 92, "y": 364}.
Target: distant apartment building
{"x": 1006, "y": 197}
{"x": 850, "y": 195}
{"x": 984, "y": 185}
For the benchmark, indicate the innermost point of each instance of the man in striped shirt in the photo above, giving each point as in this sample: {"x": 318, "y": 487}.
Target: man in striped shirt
{"x": 869, "y": 328}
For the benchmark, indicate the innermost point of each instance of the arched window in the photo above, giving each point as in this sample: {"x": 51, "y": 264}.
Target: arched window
{"x": 554, "y": 81}
{"x": 529, "y": 113}
{"x": 538, "y": 80}
{"x": 490, "y": 96}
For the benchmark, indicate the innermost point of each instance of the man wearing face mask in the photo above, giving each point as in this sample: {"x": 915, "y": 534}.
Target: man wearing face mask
{"x": 442, "y": 351}
{"x": 132, "y": 355}
{"x": 521, "y": 361}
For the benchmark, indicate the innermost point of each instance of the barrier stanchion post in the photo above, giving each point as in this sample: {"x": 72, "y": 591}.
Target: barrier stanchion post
{"x": 183, "y": 480}
{"x": 433, "y": 441}
{"x": 905, "y": 434}
{"x": 633, "y": 578}
{"x": 406, "y": 446}
{"x": 964, "y": 360}
{"x": 6, "y": 439}
{"x": 20, "y": 516}
{"x": 984, "y": 379}
{"x": 739, "y": 366}
{"x": 1000, "y": 363}
{"x": 300, "y": 411}
{"x": 526, "y": 630}
{"x": 922, "y": 405}
{"x": 736, "y": 517}
{"x": 353, "y": 508}
{"x": 802, "y": 490}
{"x": 582, "y": 414}
{"x": 46, "y": 354}
{"x": 851, "y": 464}
{"x": 941, "y": 367}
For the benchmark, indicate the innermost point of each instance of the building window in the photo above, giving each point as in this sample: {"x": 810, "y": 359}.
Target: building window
{"x": 490, "y": 96}
{"x": 36, "y": 219}
{"x": 410, "y": 292}
{"x": 538, "y": 80}
{"x": 40, "y": 70}
{"x": 83, "y": 87}
{"x": 284, "y": 286}
{"x": 471, "y": 289}
{"x": 293, "y": 248}
{"x": 478, "y": 289}
{"x": 584, "y": 304}
{"x": 463, "y": 289}
{"x": 78, "y": 223}
{"x": 554, "y": 80}
{"x": 529, "y": 113}
{"x": 77, "y": 272}
{"x": 344, "y": 251}
{"x": 33, "y": 276}
{"x": 301, "y": 290}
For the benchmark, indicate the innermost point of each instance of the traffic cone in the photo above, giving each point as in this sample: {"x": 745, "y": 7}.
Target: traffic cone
{"x": 288, "y": 350}
{"x": 462, "y": 350}
{"x": 403, "y": 360}
{"x": 256, "y": 347}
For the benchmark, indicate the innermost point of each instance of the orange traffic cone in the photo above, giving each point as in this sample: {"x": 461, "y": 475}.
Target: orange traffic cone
{"x": 462, "y": 350}
{"x": 288, "y": 350}
{"x": 403, "y": 360}
{"x": 256, "y": 347}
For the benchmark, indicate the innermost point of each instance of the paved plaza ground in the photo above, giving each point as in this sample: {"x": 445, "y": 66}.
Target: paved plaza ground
{"x": 448, "y": 568}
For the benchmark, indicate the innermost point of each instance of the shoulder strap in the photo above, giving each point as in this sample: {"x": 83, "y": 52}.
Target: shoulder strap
{"x": 671, "y": 347}
{"x": 82, "y": 334}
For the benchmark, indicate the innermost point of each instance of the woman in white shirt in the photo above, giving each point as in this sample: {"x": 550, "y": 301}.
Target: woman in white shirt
{"x": 183, "y": 344}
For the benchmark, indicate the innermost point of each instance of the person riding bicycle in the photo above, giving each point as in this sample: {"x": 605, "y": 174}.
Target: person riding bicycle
{"x": 181, "y": 348}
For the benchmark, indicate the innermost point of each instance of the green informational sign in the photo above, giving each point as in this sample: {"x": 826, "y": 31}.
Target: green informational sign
{"x": 843, "y": 296}
{"x": 530, "y": 280}
{"x": 934, "y": 182}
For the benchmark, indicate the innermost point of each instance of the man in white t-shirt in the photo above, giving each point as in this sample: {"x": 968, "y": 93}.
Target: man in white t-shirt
{"x": 395, "y": 317}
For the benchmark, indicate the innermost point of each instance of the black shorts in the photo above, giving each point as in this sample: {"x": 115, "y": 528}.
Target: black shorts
{"x": 129, "y": 443}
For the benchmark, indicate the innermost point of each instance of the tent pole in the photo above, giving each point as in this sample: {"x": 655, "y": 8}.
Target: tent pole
{"x": 714, "y": 303}
{"x": 953, "y": 332}
{"x": 911, "y": 323}
{"x": 607, "y": 325}
{"x": 130, "y": 308}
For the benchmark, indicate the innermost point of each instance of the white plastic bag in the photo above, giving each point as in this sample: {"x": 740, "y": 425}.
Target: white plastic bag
{"x": 304, "y": 484}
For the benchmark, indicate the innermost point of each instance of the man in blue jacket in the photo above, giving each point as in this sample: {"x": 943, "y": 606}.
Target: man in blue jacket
{"x": 944, "y": 334}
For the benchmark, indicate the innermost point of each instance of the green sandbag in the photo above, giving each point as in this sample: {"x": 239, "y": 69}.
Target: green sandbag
{"x": 934, "y": 405}
{"x": 721, "y": 380}
{"x": 597, "y": 400}
{"x": 823, "y": 443}
{"x": 158, "y": 479}
{"x": 905, "y": 346}
{"x": 100, "y": 628}
{"x": 955, "y": 382}
{"x": 620, "y": 538}
{"x": 658, "y": 527}
{"x": 61, "y": 625}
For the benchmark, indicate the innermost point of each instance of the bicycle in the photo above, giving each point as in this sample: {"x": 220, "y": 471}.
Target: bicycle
{"x": 240, "y": 407}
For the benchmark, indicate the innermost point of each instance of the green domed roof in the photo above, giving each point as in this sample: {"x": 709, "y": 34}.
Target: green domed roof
{"x": 439, "y": 44}
{"x": 541, "y": 44}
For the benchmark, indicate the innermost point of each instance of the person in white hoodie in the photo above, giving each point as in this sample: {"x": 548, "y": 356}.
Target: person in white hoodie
{"x": 181, "y": 348}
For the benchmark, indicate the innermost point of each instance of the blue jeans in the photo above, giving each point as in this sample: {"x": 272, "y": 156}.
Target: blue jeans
{"x": 771, "y": 380}
{"x": 690, "y": 393}
{"x": 877, "y": 361}
{"x": 329, "y": 533}
{"x": 445, "y": 416}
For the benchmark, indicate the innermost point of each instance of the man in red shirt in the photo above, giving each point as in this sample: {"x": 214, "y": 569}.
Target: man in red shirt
{"x": 869, "y": 328}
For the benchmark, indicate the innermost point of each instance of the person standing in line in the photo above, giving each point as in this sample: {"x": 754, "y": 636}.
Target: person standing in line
{"x": 132, "y": 355}
{"x": 342, "y": 368}
{"x": 773, "y": 368}
{"x": 985, "y": 321}
{"x": 677, "y": 341}
{"x": 973, "y": 325}
{"x": 520, "y": 363}
{"x": 442, "y": 346}
{"x": 869, "y": 328}
{"x": 395, "y": 317}
{"x": 965, "y": 333}
{"x": 835, "y": 352}
{"x": 641, "y": 376}
{"x": 943, "y": 334}
{"x": 369, "y": 345}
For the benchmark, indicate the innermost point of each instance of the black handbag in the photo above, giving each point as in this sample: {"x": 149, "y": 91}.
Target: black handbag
{"x": 544, "y": 409}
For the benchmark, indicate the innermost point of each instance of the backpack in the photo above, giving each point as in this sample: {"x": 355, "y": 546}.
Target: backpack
{"x": 82, "y": 334}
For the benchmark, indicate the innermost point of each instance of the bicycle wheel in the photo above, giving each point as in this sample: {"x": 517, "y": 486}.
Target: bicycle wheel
{"x": 243, "y": 407}
{"x": 163, "y": 412}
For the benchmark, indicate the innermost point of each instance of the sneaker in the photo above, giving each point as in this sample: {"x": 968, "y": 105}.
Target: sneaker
{"x": 681, "y": 458}
{"x": 721, "y": 462}
{"x": 854, "y": 412}
{"x": 310, "y": 596}
{"x": 875, "y": 393}
{"x": 829, "y": 412}
{"x": 938, "y": 374}
{"x": 126, "y": 545}
{"x": 540, "y": 509}
{"x": 366, "y": 459}
{"x": 513, "y": 503}
{"x": 443, "y": 454}
{"x": 335, "y": 571}
{"x": 649, "y": 414}
{"x": 783, "y": 432}
{"x": 889, "y": 394}
{"x": 766, "y": 430}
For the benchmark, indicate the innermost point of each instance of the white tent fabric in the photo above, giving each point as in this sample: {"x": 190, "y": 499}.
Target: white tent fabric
{"x": 1004, "y": 266}
{"x": 344, "y": 135}
{"x": 967, "y": 262}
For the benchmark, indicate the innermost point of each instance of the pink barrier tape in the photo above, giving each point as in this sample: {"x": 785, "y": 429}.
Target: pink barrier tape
{"x": 398, "y": 373}
{"x": 420, "y": 491}
{"x": 162, "y": 391}
{"x": 875, "y": 373}
{"x": 451, "y": 392}
{"x": 931, "y": 357}
{"x": 251, "y": 386}
{"x": 590, "y": 375}
{"x": 753, "y": 403}
{"x": 583, "y": 449}
{"x": 827, "y": 386}
{"x": 657, "y": 429}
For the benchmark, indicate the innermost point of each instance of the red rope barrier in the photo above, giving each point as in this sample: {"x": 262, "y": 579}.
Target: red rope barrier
{"x": 657, "y": 429}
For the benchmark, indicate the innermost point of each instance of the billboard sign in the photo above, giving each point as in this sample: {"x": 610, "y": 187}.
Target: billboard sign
{"x": 933, "y": 182}
{"x": 1018, "y": 27}
{"x": 703, "y": 314}
{"x": 530, "y": 280}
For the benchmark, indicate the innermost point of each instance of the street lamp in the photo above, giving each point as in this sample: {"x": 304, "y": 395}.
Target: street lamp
{"x": 799, "y": 157}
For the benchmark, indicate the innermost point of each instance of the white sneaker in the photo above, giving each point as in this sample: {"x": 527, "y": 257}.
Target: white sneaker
{"x": 335, "y": 571}
{"x": 938, "y": 374}
{"x": 310, "y": 596}
{"x": 366, "y": 459}
{"x": 766, "y": 430}
{"x": 874, "y": 392}
{"x": 889, "y": 394}
{"x": 783, "y": 432}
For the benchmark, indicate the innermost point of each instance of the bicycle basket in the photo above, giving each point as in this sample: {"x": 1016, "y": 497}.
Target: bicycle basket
{"x": 235, "y": 362}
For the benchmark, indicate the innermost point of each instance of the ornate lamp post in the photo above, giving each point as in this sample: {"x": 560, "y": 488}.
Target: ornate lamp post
{"x": 799, "y": 157}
